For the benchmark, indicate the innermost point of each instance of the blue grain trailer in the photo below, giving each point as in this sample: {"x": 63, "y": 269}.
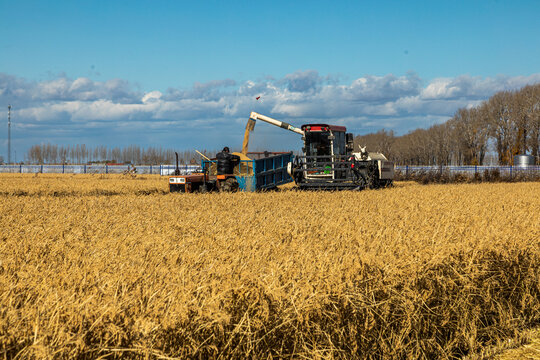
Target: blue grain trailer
{"x": 249, "y": 175}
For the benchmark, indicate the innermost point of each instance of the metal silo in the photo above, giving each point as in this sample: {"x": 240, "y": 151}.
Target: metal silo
{"x": 523, "y": 160}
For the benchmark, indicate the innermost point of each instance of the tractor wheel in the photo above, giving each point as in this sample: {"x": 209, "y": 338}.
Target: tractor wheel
{"x": 230, "y": 185}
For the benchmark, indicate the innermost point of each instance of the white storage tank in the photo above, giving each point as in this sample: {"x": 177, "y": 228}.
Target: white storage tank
{"x": 523, "y": 160}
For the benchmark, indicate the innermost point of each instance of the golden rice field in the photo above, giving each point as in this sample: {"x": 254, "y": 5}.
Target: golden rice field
{"x": 108, "y": 266}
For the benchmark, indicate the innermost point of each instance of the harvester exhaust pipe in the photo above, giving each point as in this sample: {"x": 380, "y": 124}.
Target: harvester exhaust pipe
{"x": 177, "y": 170}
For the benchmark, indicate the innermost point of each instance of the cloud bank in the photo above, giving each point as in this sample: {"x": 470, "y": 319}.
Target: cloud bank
{"x": 70, "y": 110}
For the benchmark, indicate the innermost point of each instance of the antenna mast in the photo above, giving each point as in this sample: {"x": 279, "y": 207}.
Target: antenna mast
{"x": 9, "y": 134}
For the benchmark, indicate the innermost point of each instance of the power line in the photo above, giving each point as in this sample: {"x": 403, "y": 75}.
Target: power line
{"x": 9, "y": 134}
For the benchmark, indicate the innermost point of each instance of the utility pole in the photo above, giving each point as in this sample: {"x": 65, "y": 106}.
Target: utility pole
{"x": 9, "y": 134}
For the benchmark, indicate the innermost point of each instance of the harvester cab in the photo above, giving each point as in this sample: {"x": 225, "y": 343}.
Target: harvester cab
{"x": 323, "y": 145}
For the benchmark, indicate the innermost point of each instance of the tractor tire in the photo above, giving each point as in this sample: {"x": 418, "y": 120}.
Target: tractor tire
{"x": 230, "y": 185}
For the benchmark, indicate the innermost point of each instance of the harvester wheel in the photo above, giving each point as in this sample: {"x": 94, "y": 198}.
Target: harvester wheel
{"x": 373, "y": 178}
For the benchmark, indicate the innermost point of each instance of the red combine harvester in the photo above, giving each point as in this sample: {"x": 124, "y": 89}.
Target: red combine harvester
{"x": 328, "y": 160}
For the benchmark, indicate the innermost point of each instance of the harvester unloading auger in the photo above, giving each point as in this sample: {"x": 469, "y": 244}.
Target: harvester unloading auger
{"x": 327, "y": 162}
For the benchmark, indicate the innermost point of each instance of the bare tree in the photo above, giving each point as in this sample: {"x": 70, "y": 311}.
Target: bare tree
{"x": 530, "y": 113}
{"x": 471, "y": 132}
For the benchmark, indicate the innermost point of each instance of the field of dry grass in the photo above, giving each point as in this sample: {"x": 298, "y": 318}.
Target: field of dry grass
{"x": 114, "y": 266}
{"x": 526, "y": 349}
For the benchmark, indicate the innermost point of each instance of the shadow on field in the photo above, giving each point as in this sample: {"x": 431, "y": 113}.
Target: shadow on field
{"x": 456, "y": 308}
{"x": 78, "y": 193}
{"x": 446, "y": 177}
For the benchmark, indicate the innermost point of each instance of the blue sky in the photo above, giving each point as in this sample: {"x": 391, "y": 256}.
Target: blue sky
{"x": 186, "y": 74}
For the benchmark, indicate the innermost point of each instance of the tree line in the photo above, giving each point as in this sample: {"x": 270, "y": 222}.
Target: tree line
{"x": 132, "y": 154}
{"x": 506, "y": 124}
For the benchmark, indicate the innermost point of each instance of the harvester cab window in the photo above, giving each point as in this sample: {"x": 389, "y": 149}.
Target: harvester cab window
{"x": 318, "y": 144}
{"x": 339, "y": 143}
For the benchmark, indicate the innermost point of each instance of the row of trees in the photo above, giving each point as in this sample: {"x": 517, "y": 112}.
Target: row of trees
{"x": 133, "y": 154}
{"x": 507, "y": 124}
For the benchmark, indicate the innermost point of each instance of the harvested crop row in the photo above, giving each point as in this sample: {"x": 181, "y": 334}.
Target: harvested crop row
{"x": 407, "y": 272}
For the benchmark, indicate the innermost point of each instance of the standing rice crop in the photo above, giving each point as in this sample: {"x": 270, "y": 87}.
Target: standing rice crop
{"x": 117, "y": 267}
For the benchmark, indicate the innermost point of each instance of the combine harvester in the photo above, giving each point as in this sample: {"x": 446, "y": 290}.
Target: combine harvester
{"x": 328, "y": 163}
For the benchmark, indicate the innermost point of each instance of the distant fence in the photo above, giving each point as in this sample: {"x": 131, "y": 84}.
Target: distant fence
{"x": 504, "y": 170}
{"x": 188, "y": 169}
{"x": 97, "y": 169}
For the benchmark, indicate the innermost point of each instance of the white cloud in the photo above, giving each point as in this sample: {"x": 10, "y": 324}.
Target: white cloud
{"x": 468, "y": 87}
{"x": 401, "y": 103}
{"x": 382, "y": 88}
{"x": 302, "y": 81}
{"x": 152, "y": 96}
